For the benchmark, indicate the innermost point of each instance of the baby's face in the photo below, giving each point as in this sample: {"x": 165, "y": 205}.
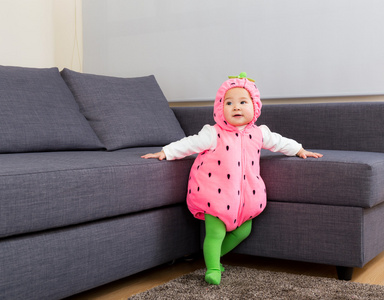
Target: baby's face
{"x": 238, "y": 107}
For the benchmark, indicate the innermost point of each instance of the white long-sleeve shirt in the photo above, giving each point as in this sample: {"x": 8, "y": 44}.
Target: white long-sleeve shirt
{"x": 206, "y": 139}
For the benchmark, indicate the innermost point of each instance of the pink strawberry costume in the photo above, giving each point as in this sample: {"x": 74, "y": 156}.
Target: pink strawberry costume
{"x": 225, "y": 182}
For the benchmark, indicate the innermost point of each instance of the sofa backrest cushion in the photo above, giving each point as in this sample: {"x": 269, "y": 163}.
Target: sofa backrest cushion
{"x": 356, "y": 126}
{"x": 124, "y": 112}
{"x": 38, "y": 113}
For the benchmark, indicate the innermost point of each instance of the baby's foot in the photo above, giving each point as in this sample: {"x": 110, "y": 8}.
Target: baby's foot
{"x": 213, "y": 277}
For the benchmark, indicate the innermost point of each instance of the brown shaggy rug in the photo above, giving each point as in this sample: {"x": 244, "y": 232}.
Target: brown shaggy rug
{"x": 246, "y": 283}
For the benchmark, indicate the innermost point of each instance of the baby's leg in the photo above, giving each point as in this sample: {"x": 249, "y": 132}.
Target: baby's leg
{"x": 235, "y": 237}
{"x": 215, "y": 232}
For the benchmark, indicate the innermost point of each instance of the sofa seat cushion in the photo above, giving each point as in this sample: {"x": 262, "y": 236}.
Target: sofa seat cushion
{"x": 45, "y": 190}
{"x": 340, "y": 178}
{"x": 125, "y": 112}
{"x": 39, "y": 113}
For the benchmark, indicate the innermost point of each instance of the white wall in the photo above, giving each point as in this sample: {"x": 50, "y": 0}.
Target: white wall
{"x": 41, "y": 33}
{"x": 293, "y": 49}
{"x": 68, "y": 31}
{"x": 46, "y": 33}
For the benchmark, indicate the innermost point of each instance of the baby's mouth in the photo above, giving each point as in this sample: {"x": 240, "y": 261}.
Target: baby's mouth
{"x": 237, "y": 115}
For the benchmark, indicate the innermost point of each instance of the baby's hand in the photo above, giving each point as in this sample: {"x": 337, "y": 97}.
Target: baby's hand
{"x": 304, "y": 154}
{"x": 159, "y": 155}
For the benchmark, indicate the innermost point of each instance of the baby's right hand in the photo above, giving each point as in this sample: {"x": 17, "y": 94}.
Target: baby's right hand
{"x": 159, "y": 155}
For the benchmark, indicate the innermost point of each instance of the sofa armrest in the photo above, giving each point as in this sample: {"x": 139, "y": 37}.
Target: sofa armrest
{"x": 192, "y": 119}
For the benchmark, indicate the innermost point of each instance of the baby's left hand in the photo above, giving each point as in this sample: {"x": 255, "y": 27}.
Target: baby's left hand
{"x": 304, "y": 154}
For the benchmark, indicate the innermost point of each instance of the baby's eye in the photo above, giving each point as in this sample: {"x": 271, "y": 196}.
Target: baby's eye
{"x": 228, "y": 103}
{"x": 243, "y": 102}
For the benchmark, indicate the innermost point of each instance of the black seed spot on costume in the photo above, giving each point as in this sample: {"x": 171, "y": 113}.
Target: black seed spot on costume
{"x": 227, "y": 148}
{"x": 201, "y": 163}
{"x": 198, "y": 167}
{"x": 228, "y": 207}
{"x": 243, "y": 204}
{"x": 209, "y": 174}
{"x": 244, "y": 177}
{"x": 209, "y": 204}
{"x": 238, "y": 193}
{"x": 258, "y": 177}
{"x": 214, "y": 115}
{"x": 228, "y": 176}
{"x": 253, "y": 163}
{"x": 258, "y": 150}
{"x": 238, "y": 163}
{"x": 218, "y": 135}
{"x": 221, "y": 99}
{"x": 250, "y": 217}
{"x": 189, "y": 190}
{"x": 254, "y": 192}
{"x": 250, "y": 136}
{"x": 237, "y": 134}
{"x": 225, "y": 122}
{"x": 219, "y": 190}
{"x": 234, "y": 221}
{"x": 261, "y": 205}
{"x": 198, "y": 188}
{"x": 219, "y": 162}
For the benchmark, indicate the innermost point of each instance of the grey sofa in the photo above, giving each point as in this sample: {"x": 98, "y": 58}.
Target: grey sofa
{"x": 79, "y": 208}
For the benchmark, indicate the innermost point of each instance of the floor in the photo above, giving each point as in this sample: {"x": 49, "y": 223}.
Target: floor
{"x": 372, "y": 273}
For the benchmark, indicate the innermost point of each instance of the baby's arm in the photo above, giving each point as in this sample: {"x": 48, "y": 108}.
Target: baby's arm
{"x": 204, "y": 140}
{"x": 277, "y": 143}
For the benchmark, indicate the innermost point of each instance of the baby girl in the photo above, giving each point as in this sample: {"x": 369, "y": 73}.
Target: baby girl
{"x": 225, "y": 188}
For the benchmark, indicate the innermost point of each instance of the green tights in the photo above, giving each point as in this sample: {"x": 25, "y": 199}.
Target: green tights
{"x": 219, "y": 242}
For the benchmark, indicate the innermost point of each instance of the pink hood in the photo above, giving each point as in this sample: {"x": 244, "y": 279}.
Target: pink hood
{"x": 241, "y": 82}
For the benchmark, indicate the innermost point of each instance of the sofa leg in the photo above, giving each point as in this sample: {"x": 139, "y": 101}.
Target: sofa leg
{"x": 344, "y": 273}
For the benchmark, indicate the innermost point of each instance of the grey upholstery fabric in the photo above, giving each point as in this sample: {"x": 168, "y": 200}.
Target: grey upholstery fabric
{"x": 38, "y": 113}
{"x": 125, "y": 112}
{"x": 333, "y": 126}
{"x": 47, "y": 190}
{"x": 341, "y": 178}
{"x": 58, "y": 263}
{"x": 373, "y": 231}
{"x": 308, "y": 232}
{"x": 192, "y": 119}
